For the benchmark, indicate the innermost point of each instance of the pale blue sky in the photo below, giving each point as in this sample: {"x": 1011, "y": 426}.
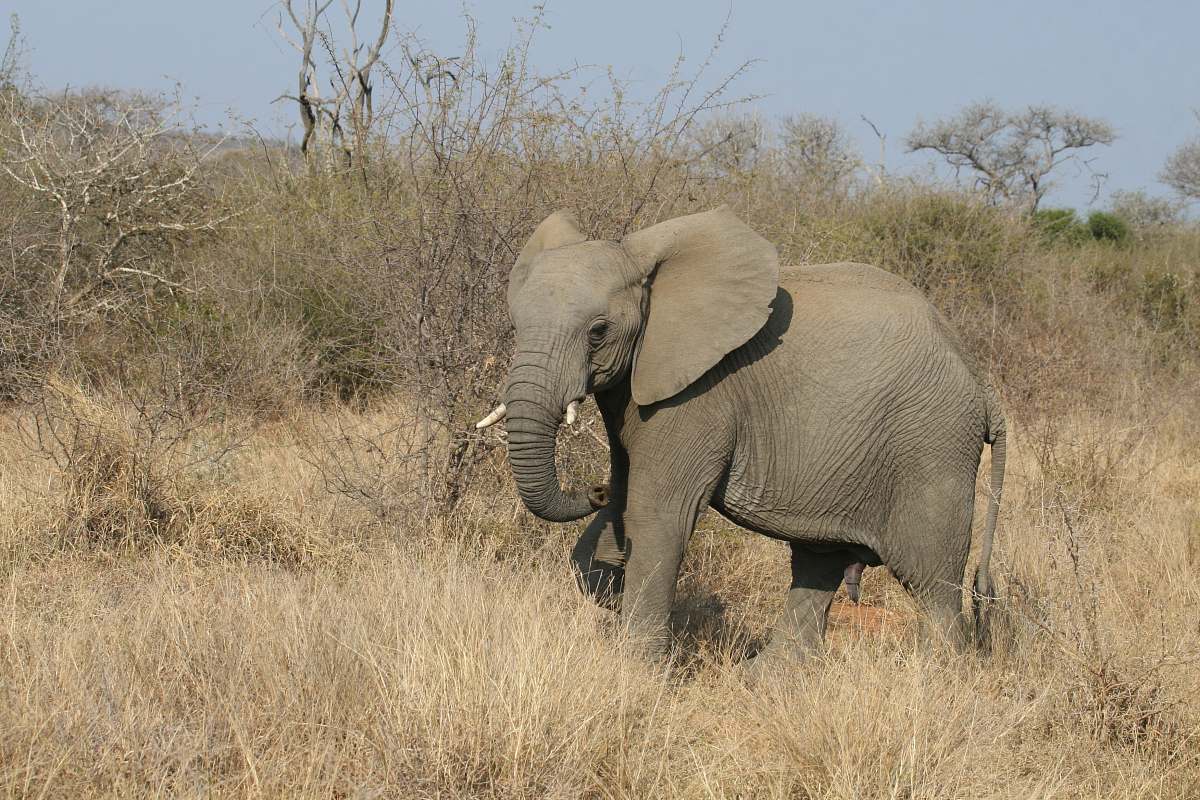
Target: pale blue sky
{"x": 1134, "y": 64}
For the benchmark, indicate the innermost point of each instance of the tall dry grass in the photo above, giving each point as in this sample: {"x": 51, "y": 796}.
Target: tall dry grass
{"x": 460, "y": 660}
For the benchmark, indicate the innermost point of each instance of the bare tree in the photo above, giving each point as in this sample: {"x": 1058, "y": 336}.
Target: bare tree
{"x": 816, "y": 152}
{"x": 1145, "y": 212}
{"x": 727, "y": 145}
{"x": 1012, "y": 155}
{"x": 340, "y": 122}
{"x": 116, "y": 183}
{"x": 1182, "y": 170}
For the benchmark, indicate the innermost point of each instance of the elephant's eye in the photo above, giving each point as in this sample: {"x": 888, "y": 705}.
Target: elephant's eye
{"x": 597, "y": 331}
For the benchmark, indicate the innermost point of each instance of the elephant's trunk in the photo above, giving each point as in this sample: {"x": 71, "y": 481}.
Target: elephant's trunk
{"x": 533, "y": 417}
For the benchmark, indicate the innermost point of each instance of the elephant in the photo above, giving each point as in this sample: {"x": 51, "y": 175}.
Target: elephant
{"x": 830, "y": 406}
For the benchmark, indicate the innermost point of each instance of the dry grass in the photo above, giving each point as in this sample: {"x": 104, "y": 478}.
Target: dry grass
{"x": 458, "y": 661}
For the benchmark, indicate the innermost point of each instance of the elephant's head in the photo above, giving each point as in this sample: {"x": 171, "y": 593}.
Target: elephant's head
{"x": 659, "y": 308}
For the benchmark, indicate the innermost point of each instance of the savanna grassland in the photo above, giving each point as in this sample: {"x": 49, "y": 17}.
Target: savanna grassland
{"x": 252, "y": 546}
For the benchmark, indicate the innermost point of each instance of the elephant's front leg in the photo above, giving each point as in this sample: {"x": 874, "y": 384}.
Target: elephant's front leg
{"x": 656, "y": 530}
{"x": 599, "y": 559}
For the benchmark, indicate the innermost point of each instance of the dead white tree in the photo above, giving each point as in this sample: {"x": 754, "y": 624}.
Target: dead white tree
{"x": 1012, "y": 154}
{"x": 334, "y": 127}
{"x": 880, "y": 170}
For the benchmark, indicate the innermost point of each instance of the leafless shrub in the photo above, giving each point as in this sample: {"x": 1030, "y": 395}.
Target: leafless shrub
{"x": 729, "y": 146}
{"x": 1182, "y": 170}
{"x": 1145, "y": 213}
{"x": 108, "y": 187}
{"x": 138, "y": 472}
{"x": 1092, "y": 468}
{"x": 1121, "y": 697}
{"x": 803, "y": 155}
{"x": 816, "y": 153}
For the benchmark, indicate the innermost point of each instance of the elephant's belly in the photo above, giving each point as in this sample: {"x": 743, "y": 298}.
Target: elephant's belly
{"x": 834, "y": 517}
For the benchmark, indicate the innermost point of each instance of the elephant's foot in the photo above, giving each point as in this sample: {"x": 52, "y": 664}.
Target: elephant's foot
{"x": 778, "y": 658}
{"x": 754, "y": 670}
{"x": 653, "y": 645}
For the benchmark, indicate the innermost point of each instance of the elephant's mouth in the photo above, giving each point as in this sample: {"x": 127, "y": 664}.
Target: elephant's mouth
{"x": 570, "y": 414}
{"x": 532, "y": 432}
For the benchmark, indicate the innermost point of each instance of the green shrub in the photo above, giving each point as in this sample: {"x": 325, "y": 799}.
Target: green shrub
{"x": 1060, "y": 226}
{"x": 1107, "y": 227}
{"x": 939, "y": 239}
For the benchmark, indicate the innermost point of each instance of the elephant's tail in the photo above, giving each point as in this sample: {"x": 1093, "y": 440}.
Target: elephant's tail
{"x": 984, "y": 591}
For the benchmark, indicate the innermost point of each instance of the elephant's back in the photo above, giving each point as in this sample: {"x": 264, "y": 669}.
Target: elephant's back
{"x": 866, "y": 302}
{"x": 854, "y": 324}
{"x": 855, "y": 338}
{"x": 845, "y": 276}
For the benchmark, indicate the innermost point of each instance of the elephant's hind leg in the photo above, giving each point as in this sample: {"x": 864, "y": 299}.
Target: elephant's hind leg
{"x": 935, "y": 526}
{"x": 815, "y": 578}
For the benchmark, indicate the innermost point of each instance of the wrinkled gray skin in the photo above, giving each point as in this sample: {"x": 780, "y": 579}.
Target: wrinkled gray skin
{"x": 829, "y": 406}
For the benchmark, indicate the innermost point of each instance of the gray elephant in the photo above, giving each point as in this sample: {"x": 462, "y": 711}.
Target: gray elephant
{"x": 829, "y": 406}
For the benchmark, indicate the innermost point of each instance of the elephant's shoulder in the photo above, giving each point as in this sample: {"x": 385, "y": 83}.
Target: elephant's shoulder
{"x": 847, "y": 274}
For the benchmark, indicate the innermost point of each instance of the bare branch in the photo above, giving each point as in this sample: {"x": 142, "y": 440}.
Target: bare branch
{"x": 882, "y": 138}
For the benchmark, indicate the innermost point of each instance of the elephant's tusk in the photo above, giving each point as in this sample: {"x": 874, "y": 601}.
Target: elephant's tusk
{"x": 492, "y": 418}
{"x": 572, "y": 412}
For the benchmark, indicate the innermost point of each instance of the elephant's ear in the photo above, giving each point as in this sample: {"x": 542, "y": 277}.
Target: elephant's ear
{"x": 712, "y": 283}
{"x": 557, "y": 230}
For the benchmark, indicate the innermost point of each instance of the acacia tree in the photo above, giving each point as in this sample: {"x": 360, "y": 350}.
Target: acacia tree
{"x": 339, "y": 122}
{"x": 1012, "y": 154}
{"x": 1182, "y": 170}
